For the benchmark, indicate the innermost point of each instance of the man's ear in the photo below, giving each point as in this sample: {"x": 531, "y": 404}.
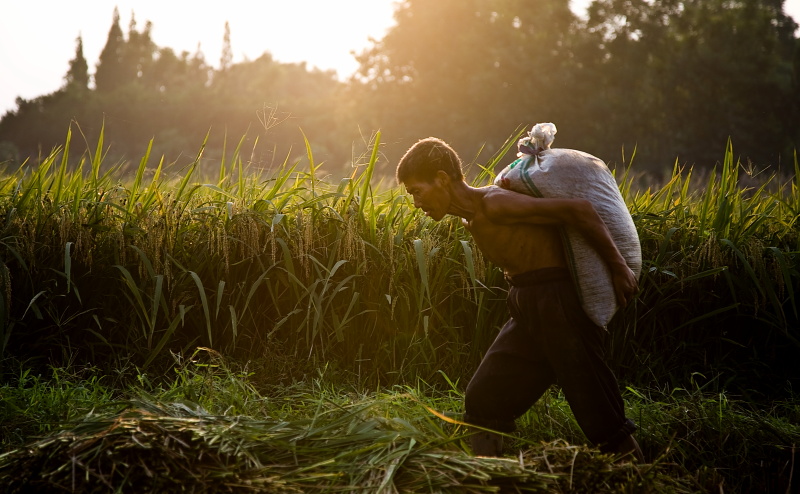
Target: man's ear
{"x": 442, "y": 178}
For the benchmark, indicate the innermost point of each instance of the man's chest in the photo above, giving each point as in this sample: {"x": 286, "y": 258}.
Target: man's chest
{"x": 508, "y": 245}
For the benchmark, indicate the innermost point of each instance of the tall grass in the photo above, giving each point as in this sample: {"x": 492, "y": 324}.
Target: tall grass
{"x": 289, "y": 266}
{"x": 721, "y": 276}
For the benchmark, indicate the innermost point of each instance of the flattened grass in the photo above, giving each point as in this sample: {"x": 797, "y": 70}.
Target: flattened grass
{"x": 308, "y": 438}
{"x": 208, "y": 428}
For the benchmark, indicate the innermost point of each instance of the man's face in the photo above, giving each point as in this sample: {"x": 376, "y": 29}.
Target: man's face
{"x": 430, "y": 197}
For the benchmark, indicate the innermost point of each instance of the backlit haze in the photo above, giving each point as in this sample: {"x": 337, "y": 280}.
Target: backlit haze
{"x": 37, "y": 38}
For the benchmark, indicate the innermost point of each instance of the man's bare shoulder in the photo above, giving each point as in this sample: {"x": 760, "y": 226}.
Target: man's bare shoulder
{"x": 493, "y": 194}
{"x": 492, "y": 197}
{"x": 497, "y": 203}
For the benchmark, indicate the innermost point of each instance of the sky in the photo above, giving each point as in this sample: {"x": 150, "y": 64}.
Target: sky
{"x": 37, "y": 37}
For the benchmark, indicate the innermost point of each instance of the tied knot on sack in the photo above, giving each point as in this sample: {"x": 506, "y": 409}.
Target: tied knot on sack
{"x": 538, "y": 139}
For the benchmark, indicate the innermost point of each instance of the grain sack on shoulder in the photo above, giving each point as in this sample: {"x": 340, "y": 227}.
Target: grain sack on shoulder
{"x": 567, "y": 173}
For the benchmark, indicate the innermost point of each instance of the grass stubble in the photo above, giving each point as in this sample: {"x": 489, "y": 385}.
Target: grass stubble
{"x": 209, "y": 428}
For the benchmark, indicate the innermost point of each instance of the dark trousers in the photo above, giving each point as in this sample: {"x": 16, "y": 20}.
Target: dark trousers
{"x": 548, "y": 340}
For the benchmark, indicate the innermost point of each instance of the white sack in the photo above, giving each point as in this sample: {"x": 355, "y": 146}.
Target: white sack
{"x": 567, "y": 173}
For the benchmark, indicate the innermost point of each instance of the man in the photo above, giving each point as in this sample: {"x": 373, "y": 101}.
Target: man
{"x": 548, "y": 339}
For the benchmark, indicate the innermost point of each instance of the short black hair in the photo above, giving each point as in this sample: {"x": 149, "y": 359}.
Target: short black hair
{"x": 425, "y": 158}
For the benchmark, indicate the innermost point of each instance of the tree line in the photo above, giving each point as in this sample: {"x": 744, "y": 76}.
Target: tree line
{"x": 670, "y": 79}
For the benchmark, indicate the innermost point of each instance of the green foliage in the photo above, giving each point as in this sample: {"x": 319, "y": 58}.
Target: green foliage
{"x": 720, "y": 438}
{"x": 144, "y": 92}
{"x": 721, "y": 265}
{"x": 636, "y": 73}
{"x": 654, "y": 55}
{"x": 32, "y": 405}
{"x": 503, "y": 64}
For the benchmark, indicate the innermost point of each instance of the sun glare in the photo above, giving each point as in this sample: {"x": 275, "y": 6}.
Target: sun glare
{"x": 323, "y": 34}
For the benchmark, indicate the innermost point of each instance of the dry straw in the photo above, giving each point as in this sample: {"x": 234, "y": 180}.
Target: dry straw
{"x": 356, "y": 447}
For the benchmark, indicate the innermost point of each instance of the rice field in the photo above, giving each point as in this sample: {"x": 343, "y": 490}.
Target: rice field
{"x": 359, "y": 316}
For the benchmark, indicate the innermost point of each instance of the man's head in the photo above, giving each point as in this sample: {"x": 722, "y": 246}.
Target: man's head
{"x": 425, "y": 158}
{"x": 427, "y": 170}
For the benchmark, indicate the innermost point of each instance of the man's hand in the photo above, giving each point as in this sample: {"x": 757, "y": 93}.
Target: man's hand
{"x": 625, "y": 284}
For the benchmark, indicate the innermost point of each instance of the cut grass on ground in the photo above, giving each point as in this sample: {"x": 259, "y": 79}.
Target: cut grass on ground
{"x": 209, "y": 428}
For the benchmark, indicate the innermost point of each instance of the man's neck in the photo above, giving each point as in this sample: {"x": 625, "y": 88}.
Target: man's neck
{"x": 462, "y": 200}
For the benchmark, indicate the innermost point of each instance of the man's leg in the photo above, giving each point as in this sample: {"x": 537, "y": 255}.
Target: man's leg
{"x": 576, "y": 349}
{"x": 508, "y": 381}
{"x": 625, "y": 444}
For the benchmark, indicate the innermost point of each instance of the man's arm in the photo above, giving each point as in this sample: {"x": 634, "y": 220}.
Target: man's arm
{"x": 508, "y": 207}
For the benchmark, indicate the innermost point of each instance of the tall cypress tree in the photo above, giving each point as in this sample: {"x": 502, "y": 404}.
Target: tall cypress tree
{"x": 78, "y": 74}
{"x": 139, "y": 52}
{"x": 110, "y": 72}
{"x": 226, "y": 58}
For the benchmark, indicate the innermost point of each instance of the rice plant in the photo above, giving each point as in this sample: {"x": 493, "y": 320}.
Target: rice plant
{"x": 720, "y": 277}
{"x": 106, "y": 268}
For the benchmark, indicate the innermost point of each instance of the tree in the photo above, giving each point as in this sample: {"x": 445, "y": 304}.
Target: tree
{"x": 226, "y": 58}
{"x": 138, "y": 52}
{"x": 109, "y": 74}
{"x": 78, "y": 74}
{"x": 684, "y": 76}
{"x": 673, "y": 78}
{"x": 242, "y": 98}
{"x": 470, "y": 71}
